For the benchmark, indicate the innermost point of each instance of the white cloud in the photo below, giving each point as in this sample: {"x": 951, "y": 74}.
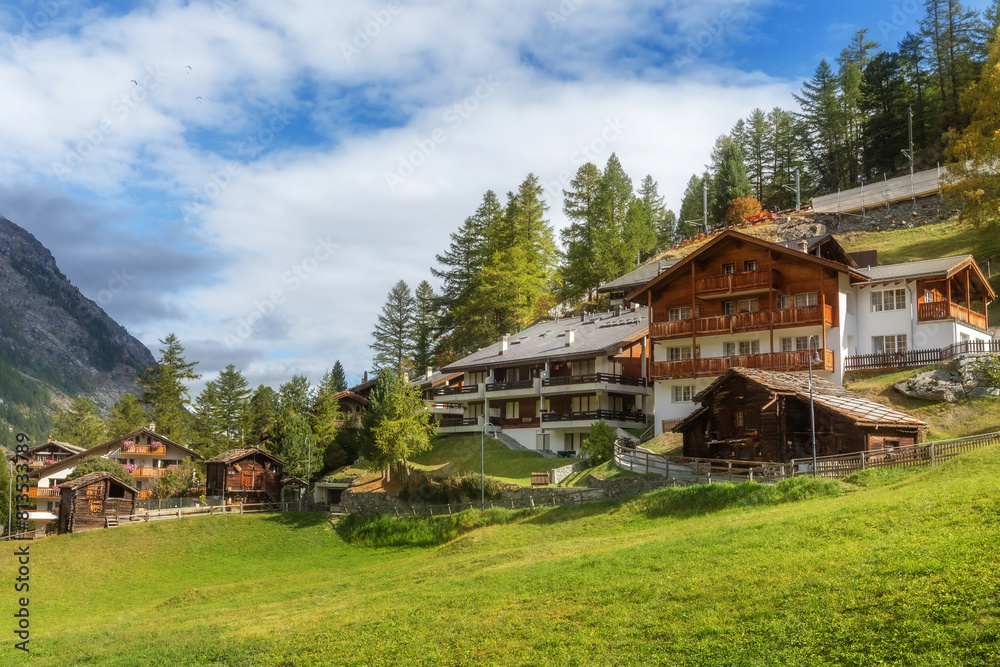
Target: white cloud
{"x": 532, "y": 96}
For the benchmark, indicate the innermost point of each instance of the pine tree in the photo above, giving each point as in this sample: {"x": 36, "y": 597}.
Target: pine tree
{"x": 853, "y": 61}
{"x": 786, "y": 158}
{"x": 613, "y": 257}
{"x": 917, "y": 84}
{"x": 950, "y": 36}
{"x": 396, "y": 426}
{"x": 165, "y": 391}
{"x": 425, "y": 327}
{"x": 884, "y": 109}
{"x": 731, "y": 179}
{"x": 294, "y": 395}
{"x": 692, "y": 207}
{"x": 262, "y": 413}
{"x": 650, "y": 228}
{"x": 393, "y": 344}
{"x": 822, "y": 128}
{"x": 293, "y": 435}
{"x": 974, "y": 150}
{"x": 80, "y": 424}
{"x": 578, "y": 272}
{"x": 757, "y": 147}
{"x": 334, "y": 380}
{"x": 127, "y": 415}
{"x": 207, "y": 422}
{"x": 233, "y": 397}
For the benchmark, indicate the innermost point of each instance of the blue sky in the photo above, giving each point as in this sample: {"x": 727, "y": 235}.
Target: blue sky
{"x": 262, "y": 173}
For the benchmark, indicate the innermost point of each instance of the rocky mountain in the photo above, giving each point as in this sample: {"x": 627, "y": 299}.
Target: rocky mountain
{"x": 54, "y": 338}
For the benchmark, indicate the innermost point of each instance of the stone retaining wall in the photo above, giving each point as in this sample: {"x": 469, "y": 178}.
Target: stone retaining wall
{"x": 557, "y": 475}
{"x": 622, "y": 487}
{"x": 380, "y": 502}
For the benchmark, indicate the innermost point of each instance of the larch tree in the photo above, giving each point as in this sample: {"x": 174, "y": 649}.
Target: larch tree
{"x": 392, "y": 341}
{"x": 821, "y": 128}
{"x": 262, "y": 412}
{"x": 578, "y": 271}
{"x": 425, "y": 327}
{"x": 127, "y": 415}
{"x": 883, "y": 108}
{"x": 165, "y": 390}
{"x": 396, "y": 426}
{"x": 976, "y": 170}
{"x": 233, "y": 397}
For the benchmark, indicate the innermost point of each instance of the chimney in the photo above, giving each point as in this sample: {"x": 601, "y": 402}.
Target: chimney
{"x": 152, "y": 426}
{"x": 569, "y": 337}
{"x": 804, "y": 245}
{"x": 583, "y": 315}
{"x": 618, "y": 311}
{"x": 504, "y": 342}
{"x": 366, "y": 378}
{"x": 430, "y": 370}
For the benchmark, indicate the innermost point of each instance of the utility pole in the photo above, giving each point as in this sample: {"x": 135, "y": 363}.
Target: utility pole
{"x": 798, "y": 191}
{"x": 704, "y": 187}
{"x": 909, "y": 154}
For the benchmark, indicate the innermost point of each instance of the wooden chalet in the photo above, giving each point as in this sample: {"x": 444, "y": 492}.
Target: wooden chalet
{"x": 757, "y": 415}
{"x": 351, "y": 405}
{"x": 245, "y": 476}
{"x": 95, "y": 500}
{"x": 51, "y": 452}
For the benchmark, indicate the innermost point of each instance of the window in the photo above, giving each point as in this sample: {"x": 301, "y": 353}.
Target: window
{"x": 739, "y": 419}
{"x": 889, "y": 344}
{"x": 965, "y": 337}
{"x": 729, "y": 308}
{"x": 928, "y": 296}
{"x": 892, "y": 299}
{"x": 684, "y": 394}
{"x": 682, "y": 313}
{"x": 787, "y": 344}
{"x": 799, "y": 299}
{"x": 742, "y": 347}
{"x": 747, "y": 306}
{"x": 728, "y": 269}
{"x": 512, "y": 410}
{"x": 750, "y": 265}
{"x": 796, "y": 344}
{"x": 678, "y": 353}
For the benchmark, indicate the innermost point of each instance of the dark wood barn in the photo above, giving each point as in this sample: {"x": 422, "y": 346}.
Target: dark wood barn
{"x": 756, "y": 415}
{"x": 95, "y": 500}
{"x": 245, "y": 476}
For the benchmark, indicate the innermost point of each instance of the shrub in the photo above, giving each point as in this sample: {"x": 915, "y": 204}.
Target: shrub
{"x": 420, "y": 531}
{"x": 455, "y": 489}
{"x": 742, "y": 208}
{"x": 987, "y": 371}
{"x": 600, "y": 443}
{"x": 707, "y": 498}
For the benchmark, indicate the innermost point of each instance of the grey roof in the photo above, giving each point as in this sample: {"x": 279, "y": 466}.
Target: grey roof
{"x": 923, "y": 267}
{"x": 636, "y": 279}
{"x": 813, "y": 241}
{"x": 95, "y": 476}
{"x": 593, "y": 335}
{"x": 434, "y": 379}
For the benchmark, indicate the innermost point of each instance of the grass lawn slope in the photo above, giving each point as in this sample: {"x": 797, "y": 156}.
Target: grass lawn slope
{"x": 455, "y": 455}
{"x": 890, "y": 571}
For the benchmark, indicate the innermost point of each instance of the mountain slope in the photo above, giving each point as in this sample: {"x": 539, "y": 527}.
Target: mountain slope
{"x": 50, "y": 334}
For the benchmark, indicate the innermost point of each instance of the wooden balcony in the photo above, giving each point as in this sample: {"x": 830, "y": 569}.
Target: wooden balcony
{"x": 36, "y": 492}
{"x": 521, "y": 422}
{"x": 150, "y": 473}
{"x": 590, "y": 378}
{"x": 595, "y": 415}
{"x": 946, "y": 310}
{"x": 152, "y": 450}
{"x": 145, "y": 495}
{"x": 713, "y": 366}
{"x": 731, "y": 283}
{"x": 742, "y": 322}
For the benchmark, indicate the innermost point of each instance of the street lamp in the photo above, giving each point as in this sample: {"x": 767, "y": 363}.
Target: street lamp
{"x": 482, "y": 452}
{"x": 812, "y": 407}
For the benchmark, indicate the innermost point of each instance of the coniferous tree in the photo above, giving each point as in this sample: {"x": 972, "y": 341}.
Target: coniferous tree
{"x": 425, "y": 327}
{"x": 233, "y": 397}
{"x": 950, "y": 33}
{"x": 80, "y": 424}
{"x": 821, "y": 128}
{"x": 396, "y": 426}
{"x": 853, "y": 61}
{"x": 884, "y": 110}
{"x": 731, "y": 180}
{"x": 613, "y": 256}
{"x": 127, "y": 415}
{"x": 165, "y": 391}
{"x": 392, "y": 342}
{"x": 757, "y": 147}
{"x": 262, "y": 413}
{"x": 294, "y": 440}
{"x": 651, "y": 227}
{"x": 692, "y": 206}
{"x": 578, "y": 272}
{"x": 207, "y": 423}
{"x": 786, "y": 158}
{"x": 917, "y": 85}
{"x": 334, "y": 380}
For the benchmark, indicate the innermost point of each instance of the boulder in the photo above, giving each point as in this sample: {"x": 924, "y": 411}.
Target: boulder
{"x": 938, "y": 385}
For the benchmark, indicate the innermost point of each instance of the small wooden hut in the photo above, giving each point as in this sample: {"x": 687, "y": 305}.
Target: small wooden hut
{"x": 756, "y": 415}
{"x": 245, "y": 476}
{"x": 95, "y": 500}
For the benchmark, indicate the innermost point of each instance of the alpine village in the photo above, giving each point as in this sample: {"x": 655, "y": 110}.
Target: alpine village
{"x": 762, "y": 429}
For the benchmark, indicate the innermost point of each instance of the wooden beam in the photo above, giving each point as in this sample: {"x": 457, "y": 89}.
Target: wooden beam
{"x": 694, "y": 329}
{"x": 770, "y": 299}
{"x": 822, "y": 313}
{"x": 968, "y": 299}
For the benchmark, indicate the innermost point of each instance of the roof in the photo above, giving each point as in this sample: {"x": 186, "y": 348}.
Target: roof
{"x": 435, "y": 379}
{"x": 731, "y": 235}
{"x": 592, "y": 335}
{"x": 347, "y": 393}
{"x": 636, "y": 279}
{"x": 827, "y": 395}
{"x": 240, "y": 453}
{"x": 942, "y": 266}
{"x": 65, "y": 445}
{"x": 829, "y": 248}
{"x": 92, "y": 477}
{"x": 94, "y": 451}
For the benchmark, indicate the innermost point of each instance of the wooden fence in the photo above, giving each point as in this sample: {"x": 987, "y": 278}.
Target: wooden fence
{"x": 694, "y": 469}
{"x": 914, "y": 358}
{"x": 905, "y": 457}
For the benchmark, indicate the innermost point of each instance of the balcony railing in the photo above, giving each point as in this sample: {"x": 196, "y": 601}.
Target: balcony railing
{"x": 36, "y": 492}
{"x": 520, "y": 422}
{"x": 737, "y": 282}
{"x": 740, "y": 322}
{"x": 594, "y": 377}
{"x": 455, "y": 391}
{"x": 447, "y": 422}
{"x": 946, "y": 310}
{"x": 595, "y": 415}
{"x": 712, "y": 366}
{"x": 505, "y": 386}
{"x": 150, "y": 473}
{"x": 144, "y": 449}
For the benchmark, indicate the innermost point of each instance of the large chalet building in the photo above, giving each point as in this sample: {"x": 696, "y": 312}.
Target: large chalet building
{"x": 742, "y": 302}
{"x": 546, "y": 385}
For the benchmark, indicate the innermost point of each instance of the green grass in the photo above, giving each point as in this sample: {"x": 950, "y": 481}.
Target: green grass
{"x": 458, "y": 454}
{"x": 970, "y": 416}
{"x": 901, "y": 574}
{"x": 606, "y": 470}
{"x": 944, "y": 239}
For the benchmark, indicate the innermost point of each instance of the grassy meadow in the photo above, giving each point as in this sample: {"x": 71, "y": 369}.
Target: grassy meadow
{"x": 459, "y": 454}
{"x": 892, "y": 569}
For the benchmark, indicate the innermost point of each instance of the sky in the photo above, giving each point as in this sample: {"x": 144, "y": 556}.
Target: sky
{"x": 254, "y": 175}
